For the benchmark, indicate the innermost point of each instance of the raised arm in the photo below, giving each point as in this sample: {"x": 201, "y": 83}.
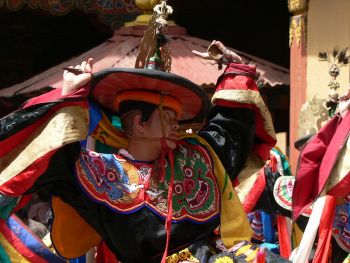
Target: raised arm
{"x": 33, "y": 137}
{"x": 75, "y": 77}
{"x": 239, "y": 122}
{"x": 218, "y": 52}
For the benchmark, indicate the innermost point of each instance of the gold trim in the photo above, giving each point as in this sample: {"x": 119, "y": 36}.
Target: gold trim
{"x": 67, "y": 125}
{"x": 248, "y": 97}
{"x": 183, "y": 255}
{"x": 296, "y": 6}
{"x": 248, "y": 175}
{"x": 297, "y": 29}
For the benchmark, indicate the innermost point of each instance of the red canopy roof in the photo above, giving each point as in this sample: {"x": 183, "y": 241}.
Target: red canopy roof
{"x": 121, "y": 51}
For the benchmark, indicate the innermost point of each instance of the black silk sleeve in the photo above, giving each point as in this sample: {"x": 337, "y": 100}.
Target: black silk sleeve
{"x": 34, "y": 136}
{"x": 267, "y": 202}
{"x": 230, "y": 132}
{"x": 59, "y": 174}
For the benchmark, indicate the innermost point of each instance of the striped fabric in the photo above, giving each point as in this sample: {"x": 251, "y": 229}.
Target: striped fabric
{"x": 30, "y": 136}
{"x": 19, "y": 244}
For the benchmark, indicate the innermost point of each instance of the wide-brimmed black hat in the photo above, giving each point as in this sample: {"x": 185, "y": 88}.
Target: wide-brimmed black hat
{"x": 112, "y": 86}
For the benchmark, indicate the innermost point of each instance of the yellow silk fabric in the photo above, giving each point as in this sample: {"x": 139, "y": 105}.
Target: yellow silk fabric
{"x": 107, "y": 134}
{"x": 71, "y": 235}
{"x": 11, "y": 252}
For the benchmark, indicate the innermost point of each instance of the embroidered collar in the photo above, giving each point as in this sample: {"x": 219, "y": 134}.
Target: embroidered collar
{"x": 126, "y": 186}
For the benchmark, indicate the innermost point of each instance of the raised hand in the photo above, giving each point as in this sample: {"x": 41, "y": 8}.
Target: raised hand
{"x": 222, "y": 54}
{"x": 75, "y": 77}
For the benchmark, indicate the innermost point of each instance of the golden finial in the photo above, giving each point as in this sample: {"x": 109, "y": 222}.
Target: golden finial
{"x": 154, "y": 39}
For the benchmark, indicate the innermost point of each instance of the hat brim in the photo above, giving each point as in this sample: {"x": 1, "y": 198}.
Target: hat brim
{"x": 108, "y": 83}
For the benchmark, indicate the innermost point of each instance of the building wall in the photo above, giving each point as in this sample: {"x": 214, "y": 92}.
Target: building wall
{"x": 328, "y": 26}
